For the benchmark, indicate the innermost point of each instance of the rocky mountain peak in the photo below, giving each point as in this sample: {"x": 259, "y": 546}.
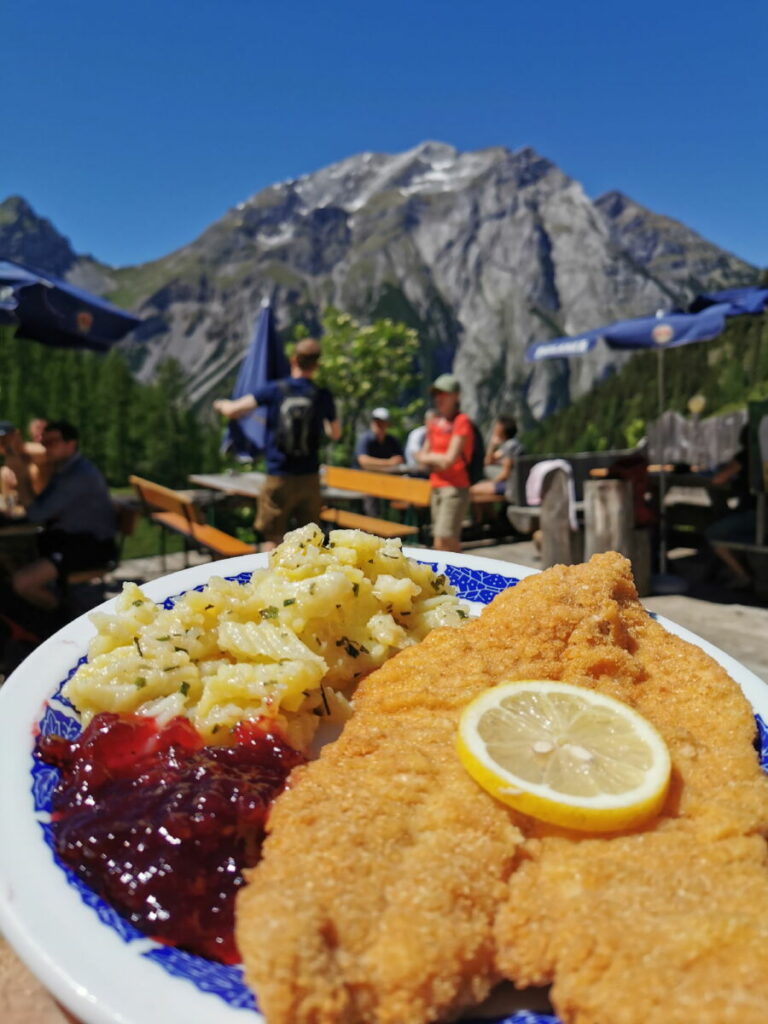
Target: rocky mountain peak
{"x": 29, "y": 238}
{"x": 481, "y": 251}
{"x": 613, "y": 204}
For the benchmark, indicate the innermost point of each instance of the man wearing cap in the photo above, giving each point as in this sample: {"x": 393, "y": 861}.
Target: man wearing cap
{"x": 378, "y": 451}
{"x": 447, "y": 453}
{"x": 291, "y": 492}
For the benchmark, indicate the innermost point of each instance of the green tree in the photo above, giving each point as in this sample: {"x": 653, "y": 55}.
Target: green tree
{"x": 115, "y": 398}
{"x": 726, "y": 371}
{"x": 366, "y": 366}
{"x": 164, "y": 426}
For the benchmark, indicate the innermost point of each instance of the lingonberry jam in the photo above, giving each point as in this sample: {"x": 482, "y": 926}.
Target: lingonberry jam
{"x": 161, "y": 826}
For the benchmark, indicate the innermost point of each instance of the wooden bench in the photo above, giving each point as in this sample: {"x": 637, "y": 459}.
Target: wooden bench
{"x": 176, "y": 513}
{"x": 404, "y": 491}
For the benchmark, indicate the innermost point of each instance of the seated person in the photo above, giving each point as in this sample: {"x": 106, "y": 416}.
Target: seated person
{"x": 741, "y": 523}
{"x": 75, "y": 510}
{"x": 634, "y": 467}
{"x": 503, "y": 449}
{"x": 378, "y": 451}
{"x": 40, "y": 468}
{"x": 31, "y": 452}
{"x": 9, "y": 441}
{"x": 414, "y": 443}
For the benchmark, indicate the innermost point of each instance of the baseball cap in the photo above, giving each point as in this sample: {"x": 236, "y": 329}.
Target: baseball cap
{"x": 6, "y": 427}
{"x": 380, "y": 413}
{"x": 446, "y": 382}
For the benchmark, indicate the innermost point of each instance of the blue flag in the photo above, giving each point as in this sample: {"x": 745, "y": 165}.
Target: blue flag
{"x": 246, "y": 438}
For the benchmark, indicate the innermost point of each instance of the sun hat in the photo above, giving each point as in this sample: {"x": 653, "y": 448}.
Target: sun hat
{"x": 447, "y": 382}
{"x": 380, "y": 413}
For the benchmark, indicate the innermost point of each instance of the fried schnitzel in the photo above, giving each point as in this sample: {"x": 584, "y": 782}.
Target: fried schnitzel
{"x": 393, "y": 890}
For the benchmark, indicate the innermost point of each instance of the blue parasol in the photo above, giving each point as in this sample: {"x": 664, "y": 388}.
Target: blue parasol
{"x": 245, "y": 438}
{"x": 44, "y": 308}
{"x": 660, "y": 332}
{"x": 665, "y": 330}
{"x": 741, "y": 300}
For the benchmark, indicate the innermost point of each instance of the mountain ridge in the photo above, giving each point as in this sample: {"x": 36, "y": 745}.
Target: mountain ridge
{"x": 482, "y": 251}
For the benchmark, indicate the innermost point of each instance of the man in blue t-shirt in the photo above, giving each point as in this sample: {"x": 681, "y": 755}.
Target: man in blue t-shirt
{"x": 299, "y": 414}
{"x": 378, "y": 451}
{"x": 76, "y": 512}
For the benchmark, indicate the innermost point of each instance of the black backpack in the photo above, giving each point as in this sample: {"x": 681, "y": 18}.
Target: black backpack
{"x": 296, "y": 434}
{"x": 476, "y": 465}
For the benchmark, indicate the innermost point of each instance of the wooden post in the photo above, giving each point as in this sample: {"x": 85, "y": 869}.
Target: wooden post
{"x": 559, "y": 544}
{"x": 608, "y": 517}
{"x": 609, "y": 526}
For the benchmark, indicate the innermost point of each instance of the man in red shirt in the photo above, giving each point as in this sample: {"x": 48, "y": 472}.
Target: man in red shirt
{"x": 447, "y": 453}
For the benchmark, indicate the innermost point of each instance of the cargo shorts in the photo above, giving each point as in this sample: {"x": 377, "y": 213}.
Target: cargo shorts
{"x": 287, "y": 502}
{"x": 449, "y": 506}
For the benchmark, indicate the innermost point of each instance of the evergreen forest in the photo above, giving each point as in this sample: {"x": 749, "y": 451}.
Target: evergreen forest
{"x": 131, "y": 427}
{"x": 125, "y": 426}
{"x": 728, "y": 372}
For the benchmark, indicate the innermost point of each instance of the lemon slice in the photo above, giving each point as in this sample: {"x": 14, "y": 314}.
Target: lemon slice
{"x": 565, "y": 754}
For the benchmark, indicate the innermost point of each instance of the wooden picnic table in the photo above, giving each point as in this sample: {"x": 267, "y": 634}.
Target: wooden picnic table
{"x": 250, "y": 485}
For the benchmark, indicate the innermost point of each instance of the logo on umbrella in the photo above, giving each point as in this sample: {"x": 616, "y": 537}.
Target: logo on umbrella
{"x": 662, "y": 334}
{"x": 84, "y": 321}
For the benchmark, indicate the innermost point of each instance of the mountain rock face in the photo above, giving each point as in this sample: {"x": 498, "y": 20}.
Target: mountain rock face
{"x": 483, "y": 252}
{"x": 27, "y": 238}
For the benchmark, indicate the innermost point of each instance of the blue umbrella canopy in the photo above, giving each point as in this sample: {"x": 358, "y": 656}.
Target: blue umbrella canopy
{"x": 658, "y": 333}
{"x": 669, "y": 330}
{"x": 245, "y": 438}
{"x": 44, "y": 308}
{"x": 741, "y": 300}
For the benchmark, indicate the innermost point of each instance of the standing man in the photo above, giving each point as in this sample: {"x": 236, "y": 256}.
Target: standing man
{"x": 75, "y": 511}
{"x": 447, "y": 453}
{"x": 298, "y": 415}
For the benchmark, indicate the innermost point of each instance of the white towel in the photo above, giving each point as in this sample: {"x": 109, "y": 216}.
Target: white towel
{"x": 535, "y": 484}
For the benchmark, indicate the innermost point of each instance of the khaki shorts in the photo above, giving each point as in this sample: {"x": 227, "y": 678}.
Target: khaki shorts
{"x": 449, "y": 506}
{"x": 287, "y": 502}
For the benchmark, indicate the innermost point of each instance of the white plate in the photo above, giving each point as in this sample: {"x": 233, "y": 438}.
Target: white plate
{"x": 91, "y": 960}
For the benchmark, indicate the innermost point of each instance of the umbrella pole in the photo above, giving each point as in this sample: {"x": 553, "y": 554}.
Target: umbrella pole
{"x": 662, "y": 471}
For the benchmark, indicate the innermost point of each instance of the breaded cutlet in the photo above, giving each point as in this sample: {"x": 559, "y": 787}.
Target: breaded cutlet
{"x": 394, "y": 890}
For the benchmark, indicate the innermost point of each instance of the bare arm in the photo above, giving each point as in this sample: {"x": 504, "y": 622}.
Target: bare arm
{"x": 506, "y": 468}
{"x": 436, "y": 461}
{"x": 20, "y": 464}
{"x": 332, "y": 429}
{"x": 727, "y": 472}
{"x": 490, "y": 456}
{"x": 371, "y": 463}
{"x": 234, "y": 408}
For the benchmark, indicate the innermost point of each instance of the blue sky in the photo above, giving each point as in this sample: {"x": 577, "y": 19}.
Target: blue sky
{"x": 133, "y": 126}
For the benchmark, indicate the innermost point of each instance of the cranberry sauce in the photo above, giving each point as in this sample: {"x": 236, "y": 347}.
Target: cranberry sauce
{"x": 161, "y": 826}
